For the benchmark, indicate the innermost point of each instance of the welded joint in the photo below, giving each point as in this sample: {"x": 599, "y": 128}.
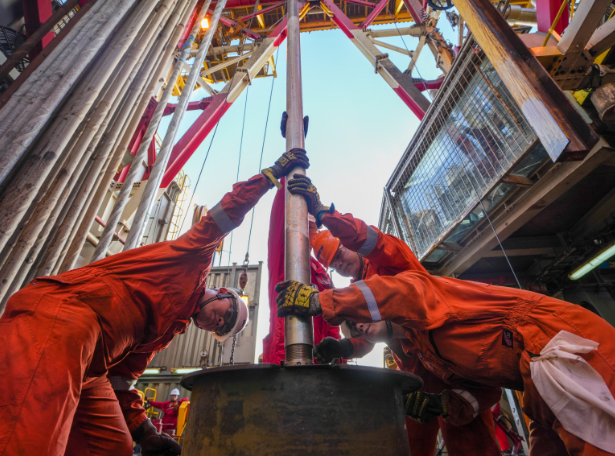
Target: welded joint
{"x": 247, "y": 72}
{"x": 377, "y": 59}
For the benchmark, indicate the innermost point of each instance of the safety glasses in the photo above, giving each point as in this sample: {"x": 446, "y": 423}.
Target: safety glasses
{"x": 230, "y": 317}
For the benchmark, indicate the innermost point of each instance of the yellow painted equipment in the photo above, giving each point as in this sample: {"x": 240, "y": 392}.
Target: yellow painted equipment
{"x": 182, "y": 419}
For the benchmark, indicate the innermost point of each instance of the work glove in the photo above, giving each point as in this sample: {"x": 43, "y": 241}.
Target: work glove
{"x": 306, "y": 123}
{"x": 302, "y": 185}
{"x": 329, "y": 349}
{"x": 154, "y": 443}
{"x": 289, "y": 160}
{"x": 297, "y": 298}
{"x": 424, "y": 407}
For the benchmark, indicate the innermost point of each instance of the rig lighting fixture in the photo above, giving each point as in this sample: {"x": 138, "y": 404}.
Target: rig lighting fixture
{"x": 151, "y": 370}
{"x": 246, "y": 299}
{"x": 185, "y": 370}
{"x": 596, "y": 261}
{"x": 205, "y": 23}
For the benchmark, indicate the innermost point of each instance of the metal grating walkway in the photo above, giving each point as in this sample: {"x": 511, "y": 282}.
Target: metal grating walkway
{"x": 471, "y": 137}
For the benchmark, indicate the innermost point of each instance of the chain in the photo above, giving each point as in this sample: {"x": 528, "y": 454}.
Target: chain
{"x": 232, "y": 359}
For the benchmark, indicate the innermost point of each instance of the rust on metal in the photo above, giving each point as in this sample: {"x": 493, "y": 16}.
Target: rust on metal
{"x": 265, "y": 409}
{"x": 561, "y": 129}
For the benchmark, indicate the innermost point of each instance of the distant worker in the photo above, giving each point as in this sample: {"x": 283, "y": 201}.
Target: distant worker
{"x": 468, "y": 430}
{"x": 560, "y": 355}
{"x": 170, "y": 410}
{"x": 76, "y": 343}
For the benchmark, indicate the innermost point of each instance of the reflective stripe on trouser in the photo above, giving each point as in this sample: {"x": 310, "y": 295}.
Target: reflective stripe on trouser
{"x": 372, "y": 305}
{"x": 223, "y": 221}
{"x": 370, "y": 242}
{"x": 468, "y": 397}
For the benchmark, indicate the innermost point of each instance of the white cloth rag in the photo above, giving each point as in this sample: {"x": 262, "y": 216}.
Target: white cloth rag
{"x": 575, "y": 391}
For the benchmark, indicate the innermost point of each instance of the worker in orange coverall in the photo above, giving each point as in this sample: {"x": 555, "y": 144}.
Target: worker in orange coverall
{"x": 74, "y": 344}
{"x": 560, "y": 355}
{"x": 356, "y": 250}
{"x": 467, "y": 430}
{"x": 170, "y": 410}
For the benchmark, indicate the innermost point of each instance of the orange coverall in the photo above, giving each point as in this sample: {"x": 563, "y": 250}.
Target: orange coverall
{"x": 62, "y": 336}
{"x": 473, "y": 433}
{"x": 470, "y": 330}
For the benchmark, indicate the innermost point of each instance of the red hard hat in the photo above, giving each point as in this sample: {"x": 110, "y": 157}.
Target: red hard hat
{"x": 325, "y": 246}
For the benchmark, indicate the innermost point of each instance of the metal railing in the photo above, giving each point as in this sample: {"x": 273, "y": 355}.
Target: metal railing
{"x": 472, "y": 136}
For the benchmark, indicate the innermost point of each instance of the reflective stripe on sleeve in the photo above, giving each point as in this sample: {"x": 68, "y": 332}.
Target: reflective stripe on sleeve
{"x": 122, "y": 383}
{"x": 372, "y": 305}
{"x": 222, "y": 220}
{"x": 468, "y": 397}
{"x": 370, "y": 242}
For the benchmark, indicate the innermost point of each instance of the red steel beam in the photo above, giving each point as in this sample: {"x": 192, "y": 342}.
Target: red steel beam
{"x": 218, "y": 105}
{"x": 546, "y": 12}
{"x": 401, "y": 84}
{"x": 415, "y": 8}
{"x": 361, "y": 2}
{"x": 36, "y": 13}
{"x": 263, "y": 11}
{"x": 375, "y": 12}
{"x": 231, "y": 23}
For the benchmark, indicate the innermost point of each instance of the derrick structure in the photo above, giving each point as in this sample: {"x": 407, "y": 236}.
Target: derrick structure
{"x": 510, "y": 171}
{"x": 79, "y": 123}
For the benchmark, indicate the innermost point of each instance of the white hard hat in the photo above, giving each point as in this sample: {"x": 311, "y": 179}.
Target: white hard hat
{"x": 242, "y": 316}
{"x": 175, "y": 392}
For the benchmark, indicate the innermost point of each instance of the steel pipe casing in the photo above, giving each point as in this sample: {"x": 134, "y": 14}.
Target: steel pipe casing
{"x": 265, "y": 409}
{"x": 298, "y": 331}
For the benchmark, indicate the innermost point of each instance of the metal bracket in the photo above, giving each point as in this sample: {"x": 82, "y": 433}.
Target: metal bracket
{"x": 247, "y": 71}
{"x": 377, "y": 59}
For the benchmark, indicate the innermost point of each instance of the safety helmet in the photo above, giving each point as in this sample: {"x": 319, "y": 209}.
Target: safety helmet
{"x": 237, "y": 316}
{"x": 325, "y": 246}
{"x": 175, "y": 392}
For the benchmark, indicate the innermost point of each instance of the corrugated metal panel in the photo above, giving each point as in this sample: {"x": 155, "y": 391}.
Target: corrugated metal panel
{"x": 164, "y": 388}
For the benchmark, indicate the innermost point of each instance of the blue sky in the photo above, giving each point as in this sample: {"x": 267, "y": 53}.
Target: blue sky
{"x": 358, "y": 131}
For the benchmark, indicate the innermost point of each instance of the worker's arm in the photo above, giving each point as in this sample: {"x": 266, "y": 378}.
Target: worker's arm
{"x": 408, "y": 299}
{"x": 360, "y": 347}
{"x": 382, "y": 249}
{"x": 224, "y": 217}
{"x": 228, "y": 214}
{"x": 157, "y": 404}
{"x": 123, "y": 376}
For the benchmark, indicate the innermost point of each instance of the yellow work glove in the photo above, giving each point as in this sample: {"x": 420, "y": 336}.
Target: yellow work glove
{"x": 297, "y": 298}
{"x": 424, "y": 407}
{"x": 283, "y": 165}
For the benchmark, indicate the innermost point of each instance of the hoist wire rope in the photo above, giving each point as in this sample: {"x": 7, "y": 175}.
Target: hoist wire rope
{"x": 260, "y": 163}
{"x": 219, "y": 118}
{"x": 480, "y": 200}
{"x": 243, "y": 126}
